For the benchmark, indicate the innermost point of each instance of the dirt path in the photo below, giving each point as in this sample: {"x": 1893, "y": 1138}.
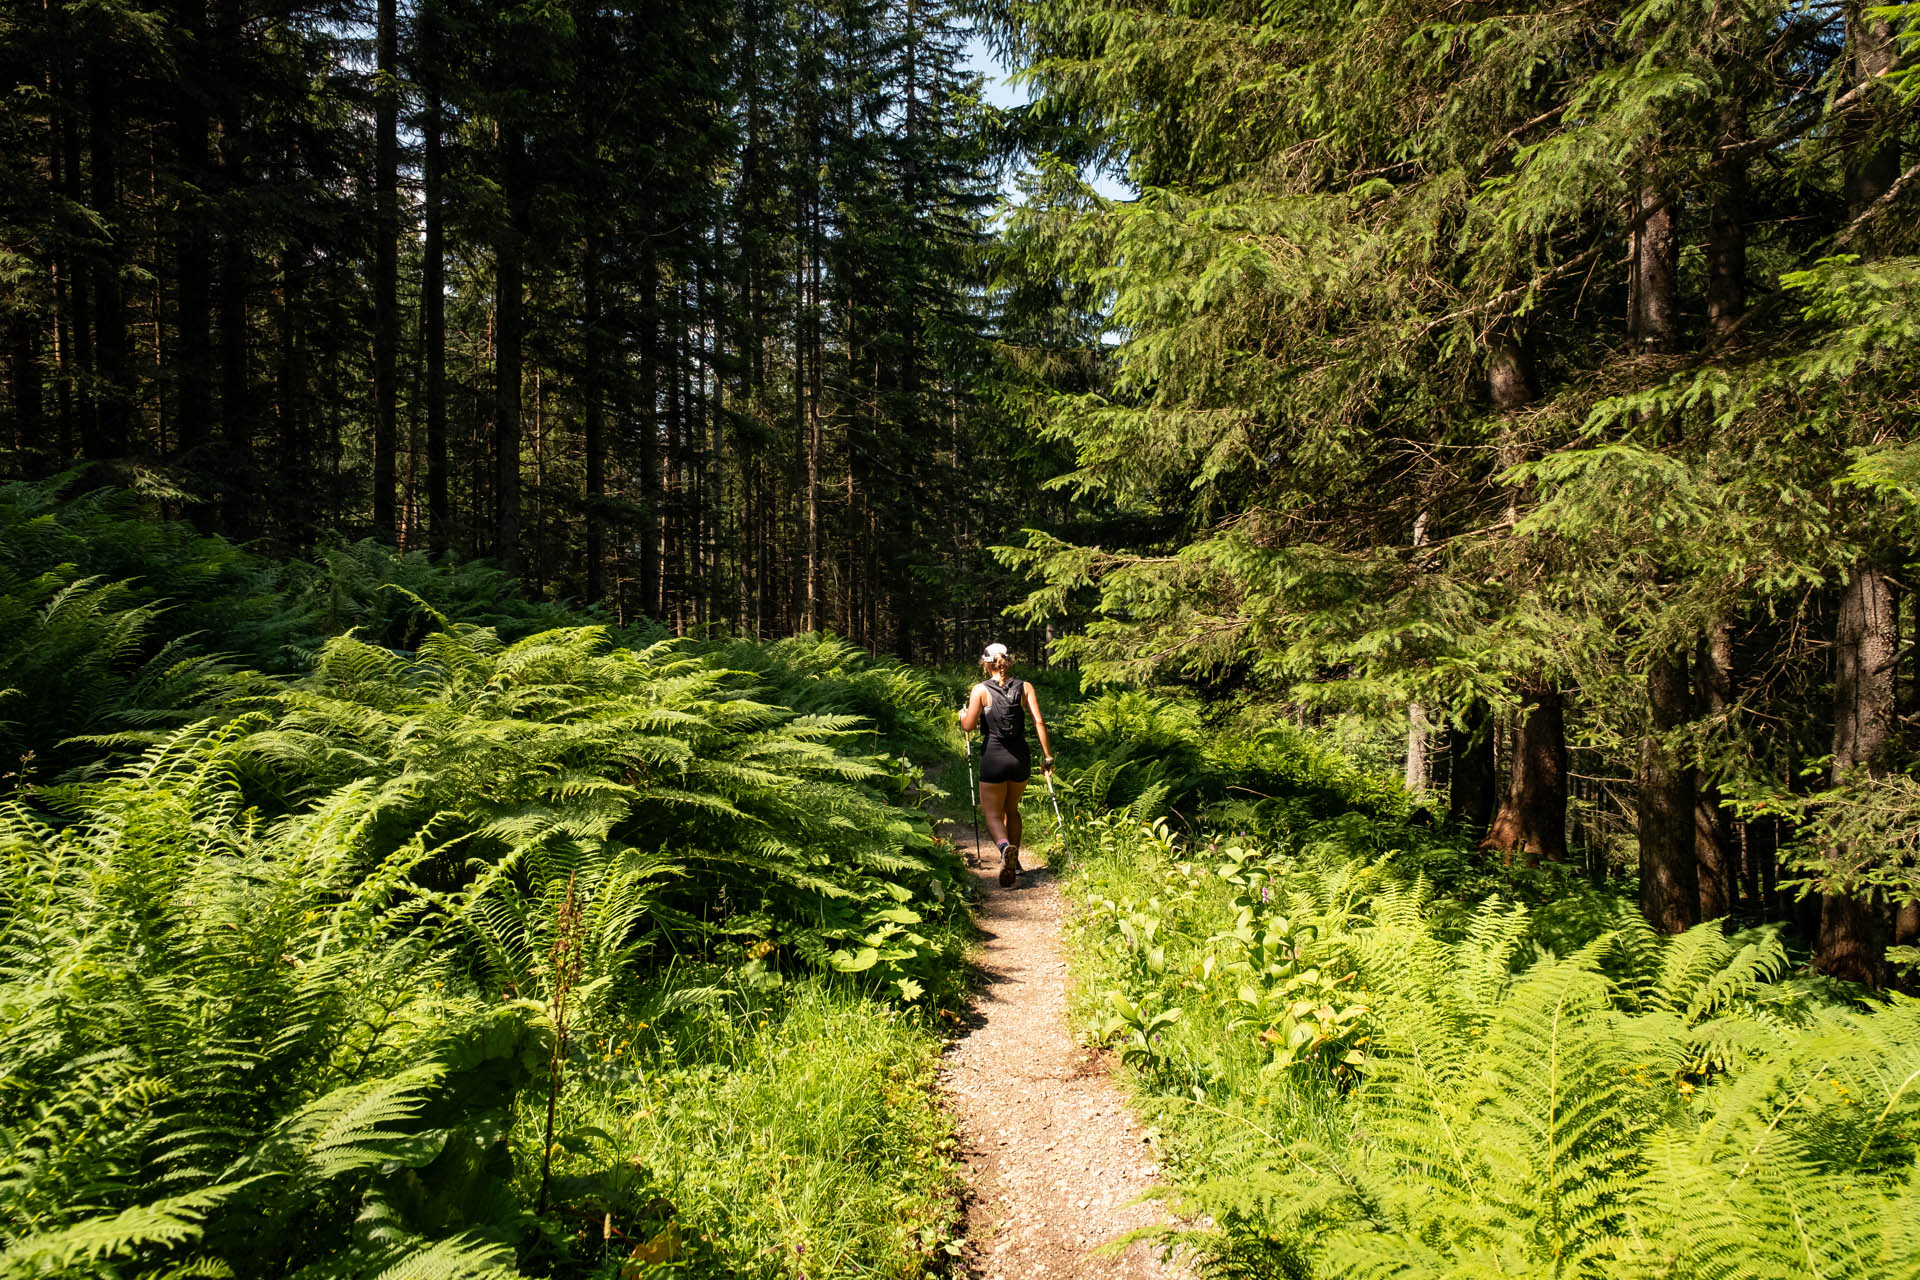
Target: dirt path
{"x": 1054, "y": 1157}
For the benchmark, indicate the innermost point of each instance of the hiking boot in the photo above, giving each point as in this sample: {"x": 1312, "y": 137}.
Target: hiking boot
{"x": 1009, "y": 865}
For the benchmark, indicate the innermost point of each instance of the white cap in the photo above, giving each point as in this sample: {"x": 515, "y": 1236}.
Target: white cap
{"x": 995, "y": 652}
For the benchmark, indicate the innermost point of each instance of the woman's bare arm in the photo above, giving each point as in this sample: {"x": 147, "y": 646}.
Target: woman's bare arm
{"x": 970, "y": 714}
{"x": 1040, "y": 725}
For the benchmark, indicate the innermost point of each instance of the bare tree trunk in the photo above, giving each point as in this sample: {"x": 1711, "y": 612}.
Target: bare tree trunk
{"x": 813, "y": 621}
{"x": 112, "y": 419}
{"x": 433, "y": 285}
{"x": 509, "y": 333}
{"x": 1727, "y": 226}
{"x": 193, "y": 299}
{"x": 26, "y": 379}
{"x": 1853, "y": 933}
{"x": 1669, "y": 876}
{"x": 593, "y": 427}
{"x": 650, "y": 595}
{"x": 1653, "y": 320}
{"x": 1419, "y": 731}
{"x": 386, "y": 269}
{"x": 1533, "y": 818}
{"x": 235, "y": 287}
{"x": 1854, "y": 930}
{"x": 1713, "y": 843}
{"x": 1533, "y": 815}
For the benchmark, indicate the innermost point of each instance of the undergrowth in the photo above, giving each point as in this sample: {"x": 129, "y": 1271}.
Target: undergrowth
{"x": 474, "y": 939}
{"x": 1375, "y": 1054}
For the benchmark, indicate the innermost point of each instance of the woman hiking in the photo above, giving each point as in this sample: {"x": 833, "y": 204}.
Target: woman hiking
{"x": 1005, "y": 762}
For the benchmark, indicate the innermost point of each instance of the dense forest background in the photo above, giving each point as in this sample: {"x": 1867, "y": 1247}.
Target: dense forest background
{"x": 1540, "y": 377}
{"x": 1537, "y": 383}
{"x": 675, "y": 307}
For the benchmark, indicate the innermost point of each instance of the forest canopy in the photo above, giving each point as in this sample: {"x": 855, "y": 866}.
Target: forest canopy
{"x": 1545, "y": 372}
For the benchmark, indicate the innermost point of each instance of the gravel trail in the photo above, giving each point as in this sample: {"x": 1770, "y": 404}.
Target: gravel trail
{"x": 1054, "y": 1157}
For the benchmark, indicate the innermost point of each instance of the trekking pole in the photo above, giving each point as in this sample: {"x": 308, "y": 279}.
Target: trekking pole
{"x": 973, "y": 801}
{"x": 1058, "y": 817}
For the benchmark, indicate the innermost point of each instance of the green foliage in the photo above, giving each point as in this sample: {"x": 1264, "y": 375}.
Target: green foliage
{"x": 1155, "y": 754}
{"x": 281, "y": 993}
{"x": 222, "y": 1042}
{"x": 739, "y": 1133}
{"x": 1386, "y": 1067}
{"x": 824, "y": 675}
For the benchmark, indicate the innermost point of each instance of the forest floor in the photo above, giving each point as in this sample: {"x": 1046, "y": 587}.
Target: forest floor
{"x": 1054, "y": 1158}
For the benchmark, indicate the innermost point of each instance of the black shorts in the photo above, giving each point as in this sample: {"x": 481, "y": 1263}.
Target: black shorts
{"x": 997, "y": 764}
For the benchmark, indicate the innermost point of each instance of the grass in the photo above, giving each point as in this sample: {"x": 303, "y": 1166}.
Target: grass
{"x": 788, "y": 1132}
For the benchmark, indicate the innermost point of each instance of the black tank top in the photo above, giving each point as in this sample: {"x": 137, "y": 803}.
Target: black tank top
{"x": 1004, "y": 719}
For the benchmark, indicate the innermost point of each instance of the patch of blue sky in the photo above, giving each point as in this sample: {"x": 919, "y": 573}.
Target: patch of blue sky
{"x": 1001, "y": 90}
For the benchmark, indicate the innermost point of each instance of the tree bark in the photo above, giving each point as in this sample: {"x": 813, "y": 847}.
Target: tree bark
{"x": 1653, "y": 320}
{"x": 193, "y": 297}
{"x": 593, "y": 425}
{"x": 1419, "y": 730}
{"x": 509, "y": 334}
{"x": 1853, "y": 931}
{"x": 236, "y": 381}
{"x": 1669, "y": 872}
{"x": 1727, "y": 226}
{"x": 26, "y": 379}
{"x": 111, "y": 420}
{"x": 650, "y": 594}
{"x": 1533, "y": 817}
{"x": 1713, "y": 842}
{"x": 1872, "y": 149}
{"x": 386, "y": 269}
{"x": 433, "y": 283}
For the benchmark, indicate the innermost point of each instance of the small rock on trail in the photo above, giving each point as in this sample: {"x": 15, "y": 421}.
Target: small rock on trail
{"x": 1054, "y": 1157}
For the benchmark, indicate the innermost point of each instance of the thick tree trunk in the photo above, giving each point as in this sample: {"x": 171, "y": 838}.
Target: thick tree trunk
{"x": 1669, "y": 875}
{"x": 813, "y": 426}
{"x": 1470, "y": 757}
{"x": 1653, "y": 320}
{"x": 386, "y": 269}
{"x": 24, "y": 352}
{"x": 1532, "y": 820}
{"x": 1853, "y": 930}
{"x": 295, "y": 463}
{"x": 1873, "y": 150}
{"x": 1715, "y": 852}
{"x": 1419, "y": 750}
{"x": 509, "y": 335}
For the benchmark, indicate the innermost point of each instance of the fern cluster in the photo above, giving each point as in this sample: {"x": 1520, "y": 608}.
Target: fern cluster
{"x": 224, "y": 1045}
{"x": 1623, "y": 1105}
{"x": 1155, "y": 754}
{"x": 292, "y": 967}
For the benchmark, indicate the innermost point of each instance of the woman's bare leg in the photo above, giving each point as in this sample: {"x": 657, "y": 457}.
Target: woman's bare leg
{"x": 1012, "y": 811}
{"x": 993, "y": 807}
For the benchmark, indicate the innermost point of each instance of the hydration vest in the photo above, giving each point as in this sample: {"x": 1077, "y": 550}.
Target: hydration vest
{"x": 1003, "y": 716}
